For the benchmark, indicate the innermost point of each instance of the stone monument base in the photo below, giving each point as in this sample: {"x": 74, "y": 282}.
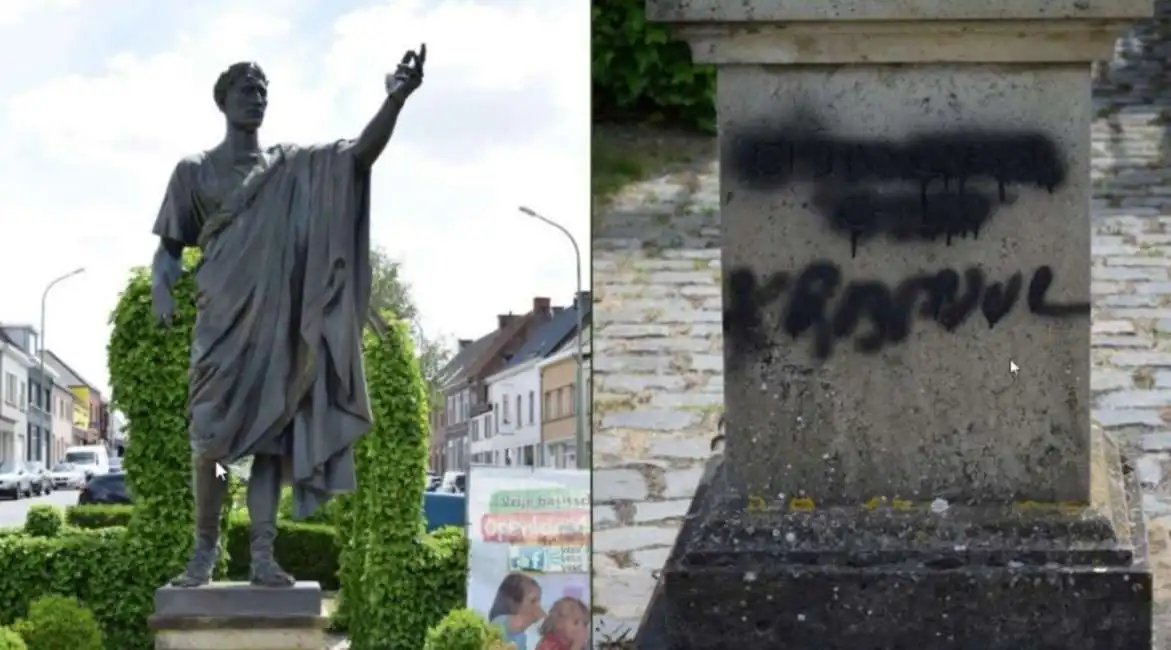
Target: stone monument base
{"x": 239, "y": 616}
{"x": 890, "y": 576}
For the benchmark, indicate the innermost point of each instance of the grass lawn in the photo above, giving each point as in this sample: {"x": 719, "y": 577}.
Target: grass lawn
{"x": 624, "y": 154}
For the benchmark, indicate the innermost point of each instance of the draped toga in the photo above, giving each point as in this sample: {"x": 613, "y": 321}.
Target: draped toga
{"x": 283, "y": 288}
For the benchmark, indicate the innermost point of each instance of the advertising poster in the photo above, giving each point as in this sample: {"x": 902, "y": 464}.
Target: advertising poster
{"x": 529, "y": 550}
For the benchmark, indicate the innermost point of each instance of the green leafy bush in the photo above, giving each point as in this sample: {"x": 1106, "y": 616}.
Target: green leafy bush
{"x": 464, "y": 629}
{"x": 59, "y": 623}
{"x": 641, "y": 72}
{"x": 90, "y": 565}
{"x": 148, "y": 379}
{"x": 98, "y": 516}
{"x": 308, "y": 551}
{"x": 391, "y": 558}
{"x": 10, "y": 640}
{"x": 43, "y": 521}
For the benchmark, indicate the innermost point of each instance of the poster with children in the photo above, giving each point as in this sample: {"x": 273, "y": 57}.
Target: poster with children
{"x": 528, "y": 557}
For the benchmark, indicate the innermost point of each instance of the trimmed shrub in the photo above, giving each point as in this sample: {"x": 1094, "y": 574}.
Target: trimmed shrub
{"x": 389, "y": 554}
{"x": 641, "y": 72}
{"x": 307, "y": 551}
{"x": 98, "y": 516}
{"x": 43, "y": 521}
{"x": 464, "y": 629}
{"x": 148, "y": 380}
{"x": 59, "y": 623}
{"x": 10, "y": 640}
{"x": 91, "y": 566}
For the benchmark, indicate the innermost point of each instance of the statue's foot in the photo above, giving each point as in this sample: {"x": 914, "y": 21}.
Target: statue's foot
{"x": 198, "y": 571}
{"x": 267, "y": 573}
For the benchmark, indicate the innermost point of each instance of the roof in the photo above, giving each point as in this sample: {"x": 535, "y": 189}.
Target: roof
{"x": 69, "y": 376}
{"x": 463, "y": 359}
{"x": 549, "y": 336}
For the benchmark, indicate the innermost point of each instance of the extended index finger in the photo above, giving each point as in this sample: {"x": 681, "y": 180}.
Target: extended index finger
{"x": 407, "y": 56}
{"x": 422, "y": 58}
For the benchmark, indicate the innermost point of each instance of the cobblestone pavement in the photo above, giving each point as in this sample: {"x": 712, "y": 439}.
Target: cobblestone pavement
{"x": 658, "y": 364}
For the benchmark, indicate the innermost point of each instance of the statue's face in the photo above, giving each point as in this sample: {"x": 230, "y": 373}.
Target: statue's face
{"x": 246, "y": 101}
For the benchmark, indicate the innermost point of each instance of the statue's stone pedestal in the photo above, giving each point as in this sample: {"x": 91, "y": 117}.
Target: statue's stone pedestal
{"x": 239, "y": 616}
{"x": 982, "y": 578}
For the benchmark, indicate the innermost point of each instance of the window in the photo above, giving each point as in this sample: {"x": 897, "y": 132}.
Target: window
{"x": 10, "y": 388}
{"x": 23, "y": 401}
{"x": 475, "y": 430}
{"x": 519, "y": 412}
{"x": 496, "y": 412}
{"x": 528, "y": 455}
{"x": 506, "y": 409}
{"x": 571, "y": 399}
{"x": 532, "y": 408}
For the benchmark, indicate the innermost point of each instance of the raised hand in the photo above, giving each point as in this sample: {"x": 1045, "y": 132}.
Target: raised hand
{"x": 409, "y": 75}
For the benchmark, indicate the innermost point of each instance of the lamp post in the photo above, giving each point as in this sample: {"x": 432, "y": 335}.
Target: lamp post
{"x": 583, "y": 461}
{"x": 41, "y": 355}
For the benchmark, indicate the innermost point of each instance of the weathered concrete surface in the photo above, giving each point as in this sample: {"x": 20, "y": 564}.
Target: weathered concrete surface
{"x": 659, "y": 437}
{"x": 930, "y": 412}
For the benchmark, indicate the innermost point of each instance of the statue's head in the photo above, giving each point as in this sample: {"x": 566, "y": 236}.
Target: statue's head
{"x": 241, "y": 92}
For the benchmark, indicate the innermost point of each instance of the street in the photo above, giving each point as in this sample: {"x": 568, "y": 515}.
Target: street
{"x": 12, "y": 512}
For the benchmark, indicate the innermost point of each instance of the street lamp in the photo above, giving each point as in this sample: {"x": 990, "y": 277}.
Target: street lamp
{"x": 48, "y": 405}
{"x": 583, "y": 461}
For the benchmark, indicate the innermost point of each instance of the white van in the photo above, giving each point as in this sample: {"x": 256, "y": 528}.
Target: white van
{"x": 94, "y": 460}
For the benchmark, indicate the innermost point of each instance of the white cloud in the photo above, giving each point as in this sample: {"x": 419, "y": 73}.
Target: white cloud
{"x": 502, "y": 120}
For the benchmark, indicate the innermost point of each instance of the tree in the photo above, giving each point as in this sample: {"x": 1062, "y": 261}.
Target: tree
{"x": 389, "y": 291}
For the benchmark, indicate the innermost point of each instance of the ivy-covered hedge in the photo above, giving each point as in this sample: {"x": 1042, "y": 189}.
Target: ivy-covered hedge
{"x": 640, "y": 72}
{"x": 389, "y": 558}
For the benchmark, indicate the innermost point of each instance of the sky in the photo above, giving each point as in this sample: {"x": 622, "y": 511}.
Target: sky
{"x": 107, "y": 95}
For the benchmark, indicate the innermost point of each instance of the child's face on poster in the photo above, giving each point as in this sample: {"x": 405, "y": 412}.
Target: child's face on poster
{"x": 530, "y": 608}
{"x": 575, "y": 628}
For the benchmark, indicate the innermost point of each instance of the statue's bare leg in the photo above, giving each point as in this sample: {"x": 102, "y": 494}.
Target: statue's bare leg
{"x": 209, "y": 492}
{"x": 264, "y": 494}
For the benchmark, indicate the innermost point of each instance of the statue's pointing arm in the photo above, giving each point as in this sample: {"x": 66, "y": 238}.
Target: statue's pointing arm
{"x": 399, "y": 86}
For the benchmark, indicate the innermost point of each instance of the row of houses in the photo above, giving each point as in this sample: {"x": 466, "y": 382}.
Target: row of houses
{"x": 509, "y": 398}
{"x": 48, "y": 407}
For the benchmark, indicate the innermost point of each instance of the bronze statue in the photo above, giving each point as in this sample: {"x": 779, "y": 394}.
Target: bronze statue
{"x": 283, "y": 294}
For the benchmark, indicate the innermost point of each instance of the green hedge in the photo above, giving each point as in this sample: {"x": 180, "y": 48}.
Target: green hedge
{"x": 389, "y": 558}
{"x": 641, "y": 73}
{"x": 308, "y": 551}
{"x": 59, "y": 623}
{"x": 43, "y": 520}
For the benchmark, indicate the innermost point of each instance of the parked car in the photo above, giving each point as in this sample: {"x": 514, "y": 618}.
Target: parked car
{"x": 115, "y": 463}
{"x": 94, "y": 460}
{"x": 42, "y": 482}
{"x": 15, "y": 479}
{"x": 67, "y": 476}
{"x": 105, "y": 489}
{"x": 454, "y": 483}
{"x": 433, "y": 481}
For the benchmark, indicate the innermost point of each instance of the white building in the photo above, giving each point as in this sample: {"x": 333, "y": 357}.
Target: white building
{"x": 14, "y": 366}
{"x": 513, "y": 436}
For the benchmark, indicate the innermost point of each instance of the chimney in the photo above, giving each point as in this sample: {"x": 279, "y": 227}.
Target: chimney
{"x": 503, "y": 320}
{"x": 582, "y": 298}
{"x": 542, "y": 306}
{"x": 463, "y": 343}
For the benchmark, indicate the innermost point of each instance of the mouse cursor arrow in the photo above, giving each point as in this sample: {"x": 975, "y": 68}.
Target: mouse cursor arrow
{"x": 220, "y": 472}
{"x": 1013, "y": 369}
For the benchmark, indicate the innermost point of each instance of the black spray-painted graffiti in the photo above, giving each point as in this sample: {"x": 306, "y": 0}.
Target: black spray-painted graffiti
{"x": 945, "y": 297}
{"x": 933, "y": 185}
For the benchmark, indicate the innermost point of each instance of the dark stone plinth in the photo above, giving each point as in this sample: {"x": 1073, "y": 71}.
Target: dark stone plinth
{"x": 238, "y": 600}
{"x": 1028, "y": 577}
{"x": 239, "y": 616}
